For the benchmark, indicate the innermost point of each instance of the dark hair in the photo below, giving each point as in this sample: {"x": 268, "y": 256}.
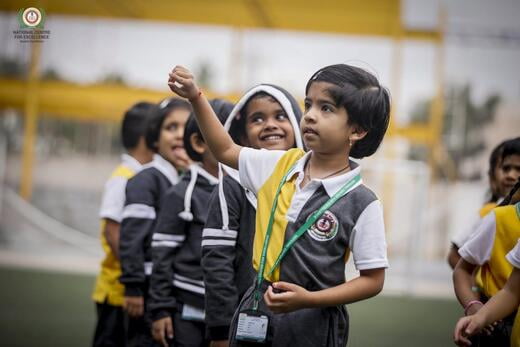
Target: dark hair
{"x": 134, "y": 123}
{"x": 509, "y": 197}
{"x": 367, "y": 103}
{"x": 222, "y": 109}
{"x": 499, "y": 153}
{"x": 156, "y": 121}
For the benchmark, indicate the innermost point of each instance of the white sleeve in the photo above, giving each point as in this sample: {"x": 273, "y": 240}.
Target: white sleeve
{"x": 477, "y": 250}
{"x": 113, "y": 200}
{"x": 255, "y": 166}
{"x": 464, "y": 235}
{"x": 368, "y": 242}
{"x": 514, "y": 256}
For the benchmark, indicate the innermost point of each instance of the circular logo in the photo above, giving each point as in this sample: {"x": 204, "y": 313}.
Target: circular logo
{"x": 325, "y": 228}
{"x": 32, "y": 17}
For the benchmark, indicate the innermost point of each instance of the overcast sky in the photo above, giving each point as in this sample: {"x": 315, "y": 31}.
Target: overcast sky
{"x": 85, "y": 50}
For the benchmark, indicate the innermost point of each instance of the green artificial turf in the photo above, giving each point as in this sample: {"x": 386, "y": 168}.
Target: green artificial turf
{"x": 54, "y": 309}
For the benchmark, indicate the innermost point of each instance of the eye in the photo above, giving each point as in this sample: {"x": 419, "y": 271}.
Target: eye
{"x": 172, "y": 126}
{"x": 281, "y": 116}
{"x": 307, "y": 106}
{"x": 256, "y": 119}
{"x": 327, "y": 108}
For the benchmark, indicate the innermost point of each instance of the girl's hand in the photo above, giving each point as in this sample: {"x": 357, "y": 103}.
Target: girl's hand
{"x": 467, "y": 327}
{"x": 162, "y": 331}
{"x": 182, "y": 82}
{"x": 292, "y": 297}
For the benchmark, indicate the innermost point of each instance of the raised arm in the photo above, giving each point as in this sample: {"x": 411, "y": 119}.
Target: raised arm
{"x": 182, "y": 83}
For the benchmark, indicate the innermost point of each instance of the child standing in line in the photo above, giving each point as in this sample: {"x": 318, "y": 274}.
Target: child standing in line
{"x": 267, "y": 116}
{"x": 312, "y": 210}
{"x": 176, "y": 284}
{"x": 108, "y": 292}
{"x": 144, "y": 193}
{"x": 505, "y": 302}
{"x": 501, "y": 180}
{"x": 496, "y": 235}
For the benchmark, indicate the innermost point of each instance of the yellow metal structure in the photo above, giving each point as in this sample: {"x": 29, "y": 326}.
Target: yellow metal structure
{"x": 107, "y": 102}
{"x": 353, "y": 17}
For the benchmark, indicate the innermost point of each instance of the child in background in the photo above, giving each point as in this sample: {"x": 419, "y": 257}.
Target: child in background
{"x": 498, "y": 307}
{"x": 496, "y": 235}
{"x": 144, "y": 193}
{"x": 267, "y": 117}
{"x": 176, "y": 284}
{"x": 501, "y": 180}
{"x": 312, "y": 210}
{"x": 108, "y": 292}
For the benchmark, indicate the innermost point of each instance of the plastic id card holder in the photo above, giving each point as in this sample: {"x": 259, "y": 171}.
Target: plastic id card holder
{"x": 252, "y": 326}
{"x": 192, "y": 313}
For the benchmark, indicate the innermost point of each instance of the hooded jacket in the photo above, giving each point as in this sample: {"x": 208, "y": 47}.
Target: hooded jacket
{"x": 227, "y": 239}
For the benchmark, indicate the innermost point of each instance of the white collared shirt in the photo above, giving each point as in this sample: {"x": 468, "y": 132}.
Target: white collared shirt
{"x": 113, "y": 200}
{"x": 367, "y": 241}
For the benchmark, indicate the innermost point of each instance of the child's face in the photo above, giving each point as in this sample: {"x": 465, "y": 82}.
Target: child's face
{"x": 267, "y": 125}
{"x": 507, "y": 173}
{"x": 170, "y": 144}
{"x": 324, "y": 125}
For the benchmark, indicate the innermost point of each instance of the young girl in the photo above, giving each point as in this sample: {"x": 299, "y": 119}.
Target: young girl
{"x": 144, "y": 192}
{"x": 500, "y": 306}
{"x": 176, "y": 287}
{"x": 496, "y": 235}
{"x": 501, "y": 180}
{"x": 312, "y": 210}
{"x": 266, "y": 116}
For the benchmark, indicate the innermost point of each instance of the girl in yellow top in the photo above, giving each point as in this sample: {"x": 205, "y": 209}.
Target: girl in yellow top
{"x": 496, "y": 235}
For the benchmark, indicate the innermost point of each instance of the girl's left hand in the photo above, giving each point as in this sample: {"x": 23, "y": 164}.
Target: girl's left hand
{"x": 292, "y": 297}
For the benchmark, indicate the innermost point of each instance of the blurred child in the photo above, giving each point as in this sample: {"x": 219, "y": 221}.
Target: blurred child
{"x": 496, "y": 235}
{"x": 312, "y": 210}
{"x": 498, "y": 307}
{"x": 144, "y": 193}
{"x": 501, "y": 180}
{"x": 267, "y": 117}
{"x": 108, "y": 292}
{"x": 176, "y": 283}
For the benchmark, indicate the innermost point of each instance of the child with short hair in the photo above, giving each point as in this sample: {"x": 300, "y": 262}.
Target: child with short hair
{"x": 501, "y": 180}
{"x": 144, "y": 193}
{"x": 312, "y": 210}
{"x": 176, "y": 284}
{"x": 108, "y": 292}
{"x": 496, "y": 235}
{"x": 267, "y": 116}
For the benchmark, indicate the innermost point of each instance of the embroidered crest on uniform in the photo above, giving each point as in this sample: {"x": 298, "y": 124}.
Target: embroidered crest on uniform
{"x": 325, "y": 228}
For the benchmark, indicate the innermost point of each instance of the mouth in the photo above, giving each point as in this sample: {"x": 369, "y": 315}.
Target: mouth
{"x": 272, "y": 137}
{"x": 309, "y": 131}
{"x": 177, "y": 148}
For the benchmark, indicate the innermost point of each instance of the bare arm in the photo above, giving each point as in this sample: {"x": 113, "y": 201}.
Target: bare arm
{"x": 111, "y": 232}
{"x": 462, "y": 283}
{"x": 294, "y": 297}
{"x": 182, "y": 82}
{"x": 453, "y": 256}
{"x": 505, "y": 301}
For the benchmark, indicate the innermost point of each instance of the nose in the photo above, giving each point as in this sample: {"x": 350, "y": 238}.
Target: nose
{"x": 270, "y": 123}
{"x": 310, "y": 116}
{"x": 179, "y": 132}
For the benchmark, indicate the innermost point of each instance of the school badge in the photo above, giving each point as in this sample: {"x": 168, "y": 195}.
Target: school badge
{"x": 325, "y": 228}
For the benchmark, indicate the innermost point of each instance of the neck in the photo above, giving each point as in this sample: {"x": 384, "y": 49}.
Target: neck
{"x": 322, "y": 164}
{"x": 142, "y": 157}
{"x": 210, "y": 168}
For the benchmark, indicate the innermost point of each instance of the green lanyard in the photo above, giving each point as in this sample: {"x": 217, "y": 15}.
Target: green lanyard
{"x": 302, "y": 230}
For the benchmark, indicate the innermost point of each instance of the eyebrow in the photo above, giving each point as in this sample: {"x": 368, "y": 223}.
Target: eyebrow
{"x": 321, "y": 101}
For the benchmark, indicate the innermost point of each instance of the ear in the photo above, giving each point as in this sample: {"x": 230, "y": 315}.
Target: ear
{"x": 357, "y": 134}
{"x": 198, "y": 144}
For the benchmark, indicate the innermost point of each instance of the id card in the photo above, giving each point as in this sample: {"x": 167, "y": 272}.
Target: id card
{"x": 192, "y": 313}
{"x": 252, "y": 326}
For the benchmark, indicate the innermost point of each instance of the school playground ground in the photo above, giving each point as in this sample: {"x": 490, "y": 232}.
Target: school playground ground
{"x": 45, "y": 308}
